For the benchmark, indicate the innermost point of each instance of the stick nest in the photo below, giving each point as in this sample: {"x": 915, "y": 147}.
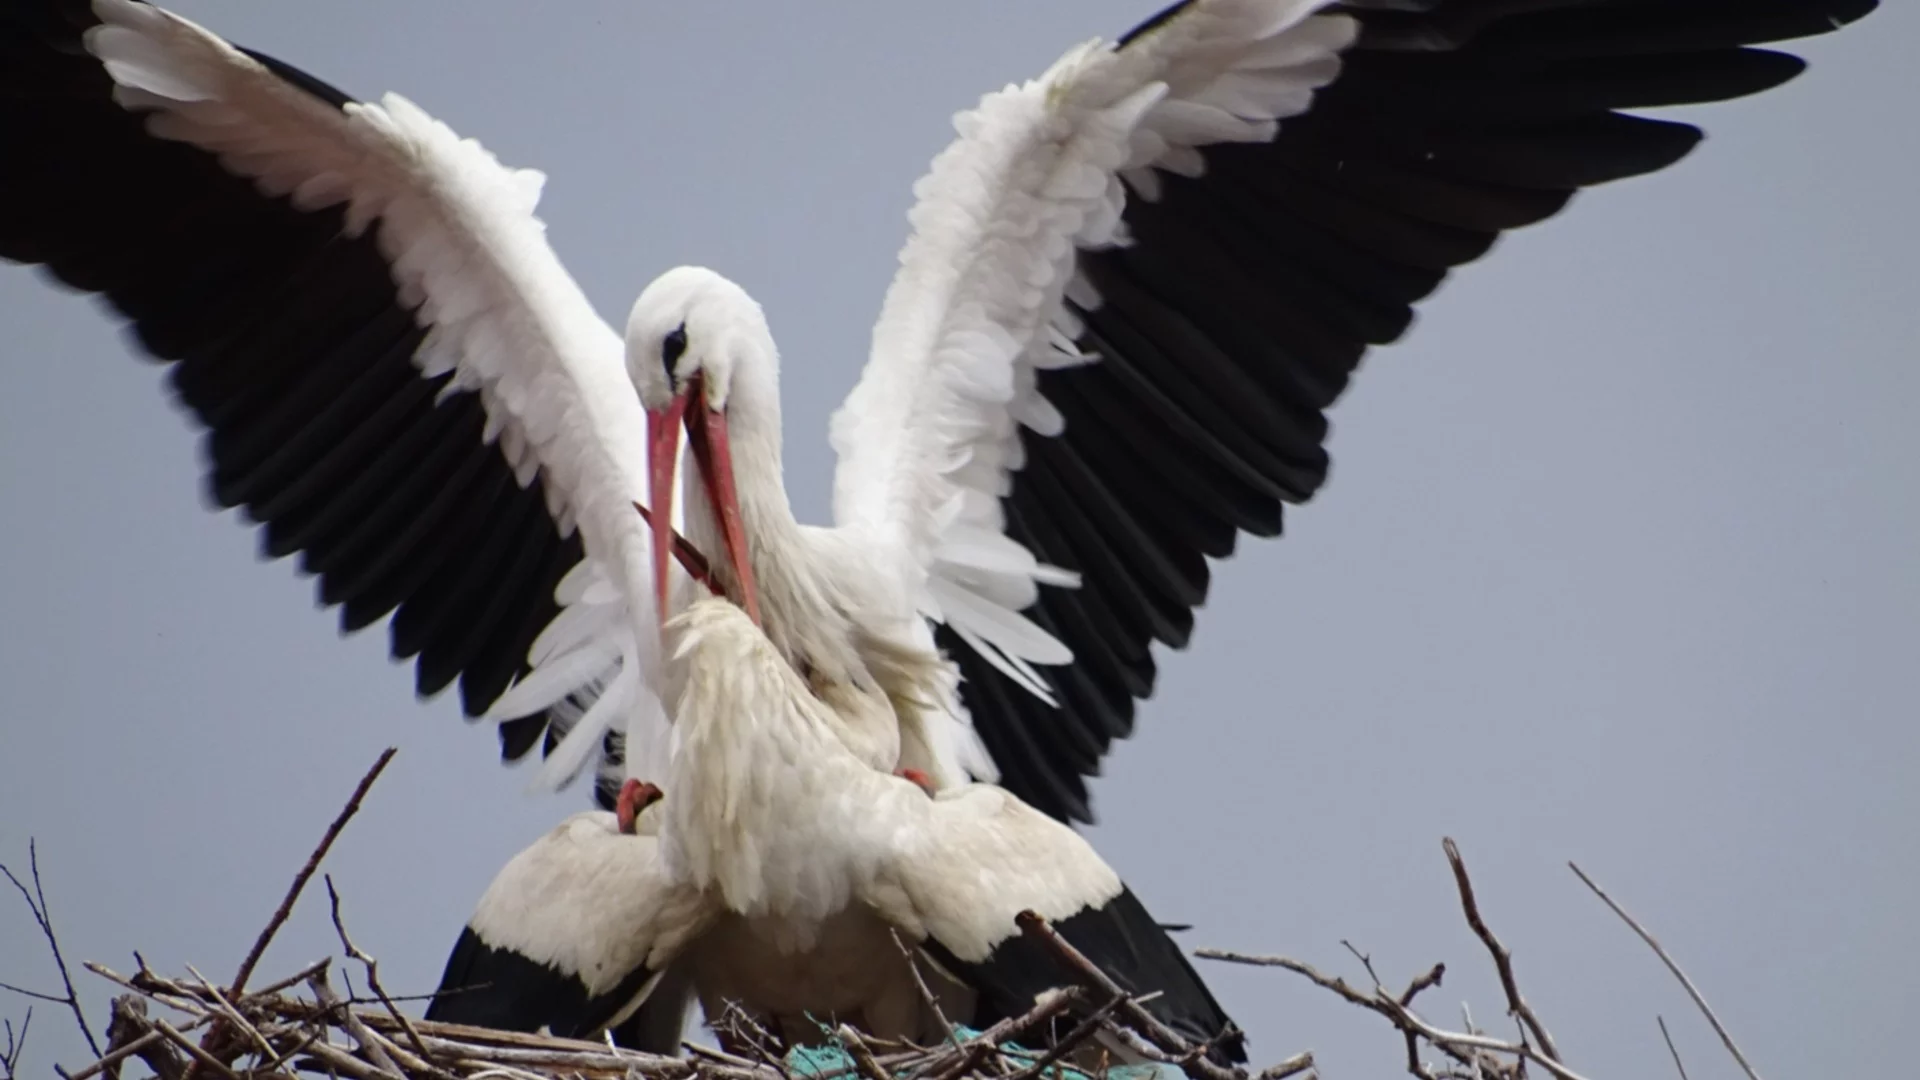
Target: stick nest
{"x": 301, "y": 1026}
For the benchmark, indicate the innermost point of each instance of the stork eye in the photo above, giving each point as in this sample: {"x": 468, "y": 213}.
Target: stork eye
{"x": 671, "y": 347}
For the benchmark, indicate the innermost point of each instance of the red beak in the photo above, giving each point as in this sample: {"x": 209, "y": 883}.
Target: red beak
{"x": 713, "y": 452}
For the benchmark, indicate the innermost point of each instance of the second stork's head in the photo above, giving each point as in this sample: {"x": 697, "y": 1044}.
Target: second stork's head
{"x": 635, "y": 797}
{"x": 702, "y": 358}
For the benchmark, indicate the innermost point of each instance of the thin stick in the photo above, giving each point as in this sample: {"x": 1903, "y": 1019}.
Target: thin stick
{"x": 369, "y": 1043}
{"x": 926, "y": 992}
{"x": 1692, "y": 991}
{"x": 1454, "y": 1044}
{"x": 160, "y": 990}
{"x": 373, "y": 969}
{"x": 16, "y": 1046}
{"x": 44, "y": 917}
{"x": 1664, "y": 1034}
{"x": 978, "y": 1049}
{"x": 306, "y": 872}
{"x": 201, "y": 1056}
{"x": 860, "y": 1052}
{"x": 1298, "y": 1063}
{"x": 231, "y": 1014}
{"x": 1502, "y": 958}
{"x": 34, "y": 994}
{"x": 300, "y": 976}
{"x": 1062, "y": 1047}
{"x": 1481, "y": 1042}
{"x": 338, "y": 1060}
{"x": 1039, "y": 931}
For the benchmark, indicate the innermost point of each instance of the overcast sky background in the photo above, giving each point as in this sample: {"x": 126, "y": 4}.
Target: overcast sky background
{"x": 1617, "y": 565}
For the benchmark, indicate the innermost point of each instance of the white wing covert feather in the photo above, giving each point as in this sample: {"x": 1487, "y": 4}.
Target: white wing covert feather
{"x": 929, "y": 436}
{"x": 503, "y": 316}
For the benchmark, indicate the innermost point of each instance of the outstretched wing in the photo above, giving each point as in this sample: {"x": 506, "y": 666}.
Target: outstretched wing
{"x": 1136, "y": 284}
{"x": 398, "y": 379}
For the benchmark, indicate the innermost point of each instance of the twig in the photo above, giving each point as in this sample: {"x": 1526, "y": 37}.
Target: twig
{"x": 1664, "y": 1034}
{"x": 373, "y": 969}
{"x": 860, "y": 1052}
{"x": 1457, "y": 1045}
{"x": 1438, "y": 1036}
{"x": 370, "y": 1044}
{"x": 926, "y": 992}
{"x": 1424, "y": 981}
{"x": 43, "y": 915}
{"x": 1062, "y": 1047}
{"x": 744, "y": 1031}
{"x": 16, "y": 1046}
{"x": 1692, "y": 991}
{"x": 306, "y": 872}
{"x": 1039, "y": 931}
{"x": 1292, "y": 1066}
{"x": 300, "y": 976}
{"x": 34, "y": 994}
{"x": 231, "y": 1014}
{"x": 1502, "y": 958}
{"x": 164, "y": 991}
{"x": 339, "y": 1061}
{"x": 978, "y": 1049}
{"x": 200, "y": 1056}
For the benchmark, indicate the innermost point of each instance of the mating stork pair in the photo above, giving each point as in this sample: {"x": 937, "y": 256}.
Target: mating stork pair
{"x": 783, "y": 875}
{"x": 1134, "y": 285}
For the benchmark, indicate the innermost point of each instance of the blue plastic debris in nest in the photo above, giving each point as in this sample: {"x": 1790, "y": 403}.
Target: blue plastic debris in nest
{"x": 815, "y": 1060}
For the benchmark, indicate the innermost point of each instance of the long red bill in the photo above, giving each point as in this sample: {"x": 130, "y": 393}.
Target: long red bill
{"x": 663, "y": 452}
{"x": 707, "y": 438}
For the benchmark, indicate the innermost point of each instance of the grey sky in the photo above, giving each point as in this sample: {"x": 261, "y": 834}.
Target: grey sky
{"x": 1617, "y": 563}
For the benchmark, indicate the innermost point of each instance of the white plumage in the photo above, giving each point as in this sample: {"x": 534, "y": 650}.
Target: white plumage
{"x": 1132, "y": 288}
{"x": 926, "y": 438}
{"x": 780, "y": 879}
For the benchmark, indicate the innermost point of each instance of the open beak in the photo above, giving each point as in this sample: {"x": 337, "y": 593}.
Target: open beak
{"x": 713, "y": 452}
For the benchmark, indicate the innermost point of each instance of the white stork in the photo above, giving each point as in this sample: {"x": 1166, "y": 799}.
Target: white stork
{"x": 574, "y": 935}
{"x": 783, "y": 869}
{"x": 821, "y": 860}
{"x": 1134, "y": 286}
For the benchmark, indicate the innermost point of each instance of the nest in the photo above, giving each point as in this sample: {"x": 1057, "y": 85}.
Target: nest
{"x": 300, "y": 1025}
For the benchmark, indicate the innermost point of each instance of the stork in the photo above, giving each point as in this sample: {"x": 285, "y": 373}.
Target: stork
{"x": 818, "y": 857}
{"x": 574, "y": 935}
{"x": 786, "y": 877}
{"x": 1134, "y": 286}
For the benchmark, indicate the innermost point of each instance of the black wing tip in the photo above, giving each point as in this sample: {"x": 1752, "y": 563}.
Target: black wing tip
{"x": 293, "y": 76}
{"x": 1123, "y": 940}
{"x": 492, "y": 987}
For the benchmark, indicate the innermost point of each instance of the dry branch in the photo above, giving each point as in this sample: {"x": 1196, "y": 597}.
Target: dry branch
{"x": 1672, "y": 1049}
{"x": 16, "y": 1045}
{"x": 1517, "y": 1006}
{"x": 43, "y": 918}
{"x": 1476, "y": 1054}
{"x": 1673, "y": 966}
{"x": 313, "y": 863}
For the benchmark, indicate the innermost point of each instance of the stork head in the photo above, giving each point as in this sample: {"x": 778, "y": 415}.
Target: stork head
{"x": 690, "y": 335}
{"x": 635, "y": 796}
